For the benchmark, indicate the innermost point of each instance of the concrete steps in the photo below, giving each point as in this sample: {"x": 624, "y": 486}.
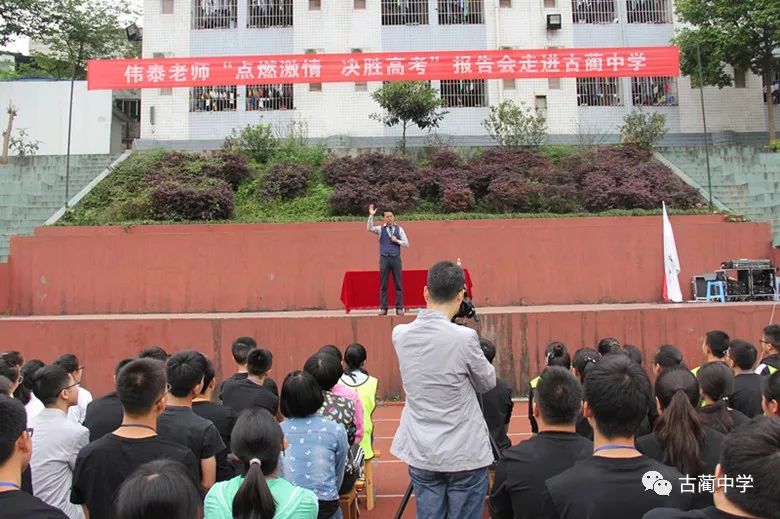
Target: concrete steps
{"x": 33, "y": 189}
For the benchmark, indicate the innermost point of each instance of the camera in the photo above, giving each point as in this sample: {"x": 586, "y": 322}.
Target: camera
{"x": 467, "y": 310}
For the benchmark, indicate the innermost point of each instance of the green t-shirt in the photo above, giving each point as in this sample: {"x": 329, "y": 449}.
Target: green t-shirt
{"x": 291, "y": 502}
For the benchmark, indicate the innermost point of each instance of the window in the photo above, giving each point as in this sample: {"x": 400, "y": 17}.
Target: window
{"x": 213, "y": 99}
{"x": 654, "y": 91}
{"x": 463, "y": 93}
{"x": 648, "y": 11}
{"x": 360, "y": 87}
{"x": 215, "y": 14}
{"x": 540, "y": 104}
{"x": 509, "y": 83}
{"x": 457, "y": 12}
{"x": 313, "y": 87}
{"x": 315, "y": 5}
{"x": 160, "y": 55}
{"x": 269, "y": 13}
{"x": 129, "y": 107}
{"x": 166, "y": 7}
{"x": 360, "y": 4}
{"x": 598, "y": 91}
{"x": 269, "y": 97}
{"x": 504, "y": 3}
{"x": 593, "y": 11}
{"x": 549, "y": 4}
{"x": 166, "y": 91}
{"x": 740, "y": 81}
{"x": 554, "y": 83}
{"x": 404, "y": 12}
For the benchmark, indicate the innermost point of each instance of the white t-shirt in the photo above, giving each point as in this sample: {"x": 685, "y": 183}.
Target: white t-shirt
{"x": 78, "y": 412}
{"x": 33, "y": 407}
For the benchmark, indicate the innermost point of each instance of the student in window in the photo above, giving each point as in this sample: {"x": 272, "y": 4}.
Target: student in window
{"x": 260, "y": 491}
{"x": 159, "y": 489}
{"x": 608, "y": 485}
{"x": 716, "y": 382}
{"x": 747, "y": 384}
{"x": 679, "y": 439}
{"x": 317, "y": 450}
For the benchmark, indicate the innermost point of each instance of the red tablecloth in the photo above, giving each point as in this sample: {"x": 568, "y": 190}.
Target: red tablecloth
{"x": 360, "y": 289}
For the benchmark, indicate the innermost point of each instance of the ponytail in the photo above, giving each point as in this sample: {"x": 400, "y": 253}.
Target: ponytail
{"x": 679, "y": 429}
{"x": 354, "y": 357}
{"x": 716, "y": 381}
{"x": 254, "y": 499}
{"x": 716, "y": 416}
{"x": 556, "y": 355}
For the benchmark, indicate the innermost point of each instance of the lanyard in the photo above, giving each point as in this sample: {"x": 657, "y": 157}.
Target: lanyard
{"x": 139, "y": 426}
{"x": 612, "y": 447}
{"x": 9, "y": 484}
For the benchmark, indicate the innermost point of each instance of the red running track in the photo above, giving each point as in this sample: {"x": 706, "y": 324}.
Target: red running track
{"x": 391, "y": 474}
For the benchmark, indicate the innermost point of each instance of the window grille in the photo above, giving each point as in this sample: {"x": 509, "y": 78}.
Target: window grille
{"x": 404, "y": 12}
{"x": 213, "y": 99}
{"x": 129, "y": 107}
{"x": 598, "y": 91}
{"x": 654, "y": 91}
{"x": 457, "y": 12}
{"x": 648, "y": 11}
{"x": 458, "y": 93}
{"x": 215, "y": 14}
{"x": 269, "y": 97}
{"x": 269, "y": 13}
{"x": 593, "y": 11}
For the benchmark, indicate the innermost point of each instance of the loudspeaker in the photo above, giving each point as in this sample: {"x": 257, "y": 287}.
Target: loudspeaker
{"x": 699, "y": 284}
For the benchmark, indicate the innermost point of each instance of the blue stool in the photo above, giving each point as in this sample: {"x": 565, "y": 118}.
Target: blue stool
{"x": 711, "y": 292}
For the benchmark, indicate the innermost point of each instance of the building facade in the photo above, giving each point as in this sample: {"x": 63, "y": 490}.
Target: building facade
{"x": 574, "y": 107}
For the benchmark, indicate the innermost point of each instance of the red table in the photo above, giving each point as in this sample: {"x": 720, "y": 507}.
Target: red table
{"x": 360, "y": 289}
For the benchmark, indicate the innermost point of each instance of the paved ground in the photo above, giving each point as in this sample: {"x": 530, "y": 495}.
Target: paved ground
{"x": 391, "y": 473}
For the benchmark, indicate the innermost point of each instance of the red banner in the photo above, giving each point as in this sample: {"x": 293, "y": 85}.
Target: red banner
{"x": 384, "y": 66}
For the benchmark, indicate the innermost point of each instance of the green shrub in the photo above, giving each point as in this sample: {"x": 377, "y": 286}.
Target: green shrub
{"x": 510, "y": 124}
{"x": 643, "y": 129}
{"x": 257, "y": 141}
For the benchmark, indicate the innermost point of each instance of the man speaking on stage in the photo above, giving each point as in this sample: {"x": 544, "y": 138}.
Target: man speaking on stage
{"x": 443, "y": 436}
{"x": 391, "y": 238}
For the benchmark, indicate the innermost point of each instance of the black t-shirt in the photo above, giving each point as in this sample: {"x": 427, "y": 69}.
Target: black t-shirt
{"x": 705, "y": 513}
{"x": 770, "y": 360}
{"x": 268, "y": 383}
{"x": 103, "y": 465}
{"x": 523, "y": 469}
{"x": 18, "y": 503}
{"x": 104, "y": 415}
{"x": 707, "y": 411}
{"x": 223, "y": 418}
{"x": 181, "y": 425}
{"x": 243, "y": 394}
{"x": 747, "y": 394}
{"x": 497, "y": 409}
{"x": 610, "y": 488}
{"x": 709, "y": 455}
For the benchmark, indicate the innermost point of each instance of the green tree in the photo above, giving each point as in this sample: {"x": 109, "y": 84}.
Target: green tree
{"x": 407, "y": 102}
{"x": 742, "y": 34}
{"x": 85, "y": 30}
{"x": 510, "y": 124}
{"x": 25, "y": 18}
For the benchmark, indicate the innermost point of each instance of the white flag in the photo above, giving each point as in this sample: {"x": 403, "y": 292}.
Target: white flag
{"x": 672, "y": 292}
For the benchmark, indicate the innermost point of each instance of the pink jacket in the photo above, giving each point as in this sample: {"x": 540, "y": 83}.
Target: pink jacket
{"x": 342, "y": 390}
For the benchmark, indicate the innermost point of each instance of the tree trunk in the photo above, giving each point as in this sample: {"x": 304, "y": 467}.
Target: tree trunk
{"x": 770, "y": 106}
{"x": 403, "y": 138}
{"x": 7, "y": 134}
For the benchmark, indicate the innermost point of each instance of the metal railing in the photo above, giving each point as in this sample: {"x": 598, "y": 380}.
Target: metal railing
{"x": 654, "y": 91}
{"x": 215, "y": 14}
{"x": 457, "y": 12}
{"x": 598, "y": 91}
{"x": 648, "y": 11}
{"x": 458, "y": 93}
{"x": 269, "y": 13}
{"x": 269, "y": 97}
{"x": 593, "y": 11}
{"x": 214, "y": 99}
{"x": 404, "y": 12}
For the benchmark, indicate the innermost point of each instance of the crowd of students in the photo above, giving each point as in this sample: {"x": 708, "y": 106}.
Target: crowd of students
{"x": 710, "y": 434}
{"x": 164, "y": 445}
{"x": 172, "y": 443}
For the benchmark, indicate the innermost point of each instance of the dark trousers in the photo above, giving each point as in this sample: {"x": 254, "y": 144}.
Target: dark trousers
{"x": 388, "y": 264}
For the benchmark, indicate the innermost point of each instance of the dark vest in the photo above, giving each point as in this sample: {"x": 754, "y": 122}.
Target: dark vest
{"x": 386, "y": 247}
